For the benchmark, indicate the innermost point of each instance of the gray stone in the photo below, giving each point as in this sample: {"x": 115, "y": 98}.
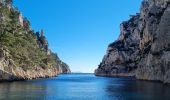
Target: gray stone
{"x": 143, "y": 47}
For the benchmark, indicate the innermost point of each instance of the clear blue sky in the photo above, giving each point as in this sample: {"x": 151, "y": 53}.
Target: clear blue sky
{"x": 79, "y": 30}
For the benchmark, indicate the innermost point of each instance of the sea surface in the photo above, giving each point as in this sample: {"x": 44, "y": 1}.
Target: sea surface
{"x": 84, "y": 87}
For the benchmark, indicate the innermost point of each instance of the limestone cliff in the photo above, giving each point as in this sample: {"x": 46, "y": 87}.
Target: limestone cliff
{"x": 24, "y": 54}
{"x": 143, "y": 47}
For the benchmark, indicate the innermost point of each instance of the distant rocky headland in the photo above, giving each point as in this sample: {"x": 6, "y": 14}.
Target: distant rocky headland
{"x": 143, "y": 47}
{"x": 24, "y": 54}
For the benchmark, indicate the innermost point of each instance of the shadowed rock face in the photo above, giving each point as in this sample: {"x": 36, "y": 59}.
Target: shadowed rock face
{"x": 143, "y": 47}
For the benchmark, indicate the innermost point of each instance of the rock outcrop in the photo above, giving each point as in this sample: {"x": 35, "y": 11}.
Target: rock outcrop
{"x": 143, "y": 47}
{"x": 24, "y": 54}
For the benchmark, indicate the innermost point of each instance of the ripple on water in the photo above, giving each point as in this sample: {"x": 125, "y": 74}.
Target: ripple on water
{"x": 83, "y": 87}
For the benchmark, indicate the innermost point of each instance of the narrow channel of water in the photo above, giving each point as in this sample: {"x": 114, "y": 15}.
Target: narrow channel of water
{"x": 84, "y": 87}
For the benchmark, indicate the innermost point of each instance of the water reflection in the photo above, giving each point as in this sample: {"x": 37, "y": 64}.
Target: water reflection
{"x": 22, "y": 91}
{"x": 84, "y": 87}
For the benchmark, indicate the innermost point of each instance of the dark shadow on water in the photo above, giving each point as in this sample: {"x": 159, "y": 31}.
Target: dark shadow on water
{"x": 138, "y": 90}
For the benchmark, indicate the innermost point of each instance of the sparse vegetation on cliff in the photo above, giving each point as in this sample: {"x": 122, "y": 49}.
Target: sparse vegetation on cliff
{"x": 21, "y": 46}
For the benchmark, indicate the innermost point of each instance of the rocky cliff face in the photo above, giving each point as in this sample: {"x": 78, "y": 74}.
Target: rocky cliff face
{"x": 143, "y": 47}
{"x": 24, "y": 54}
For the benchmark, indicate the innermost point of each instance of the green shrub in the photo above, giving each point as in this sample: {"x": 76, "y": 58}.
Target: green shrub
{"x": 22, "y": 43}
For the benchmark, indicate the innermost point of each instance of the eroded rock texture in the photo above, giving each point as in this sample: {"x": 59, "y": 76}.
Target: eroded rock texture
{"x": 143, "y": 47}
{"x": 24, "y": 54}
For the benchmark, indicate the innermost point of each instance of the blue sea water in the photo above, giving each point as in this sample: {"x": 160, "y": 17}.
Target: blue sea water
{"x": 84, "y": 87}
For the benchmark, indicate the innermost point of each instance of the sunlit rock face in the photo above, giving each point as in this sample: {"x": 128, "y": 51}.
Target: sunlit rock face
{"x": 143, "y": 47}
{"x": 24, "y": 55}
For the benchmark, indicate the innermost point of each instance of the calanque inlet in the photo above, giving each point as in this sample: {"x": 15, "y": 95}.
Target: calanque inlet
{"x": 143, "y": 48}
{"x": 136, "y": 65}
{"x": 24, "y": 54}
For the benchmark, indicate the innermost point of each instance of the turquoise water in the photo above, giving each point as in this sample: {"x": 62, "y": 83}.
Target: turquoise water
{"x": 84, "y": 87}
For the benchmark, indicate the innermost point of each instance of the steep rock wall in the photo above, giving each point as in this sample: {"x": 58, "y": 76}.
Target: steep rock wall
{"x": 143, "y": 47}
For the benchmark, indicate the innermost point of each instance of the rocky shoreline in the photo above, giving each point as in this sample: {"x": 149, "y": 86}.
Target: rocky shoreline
{"x": 11, "y": 72}
{"x": 19, "y": 74}
{"x": 142, "y": 49}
